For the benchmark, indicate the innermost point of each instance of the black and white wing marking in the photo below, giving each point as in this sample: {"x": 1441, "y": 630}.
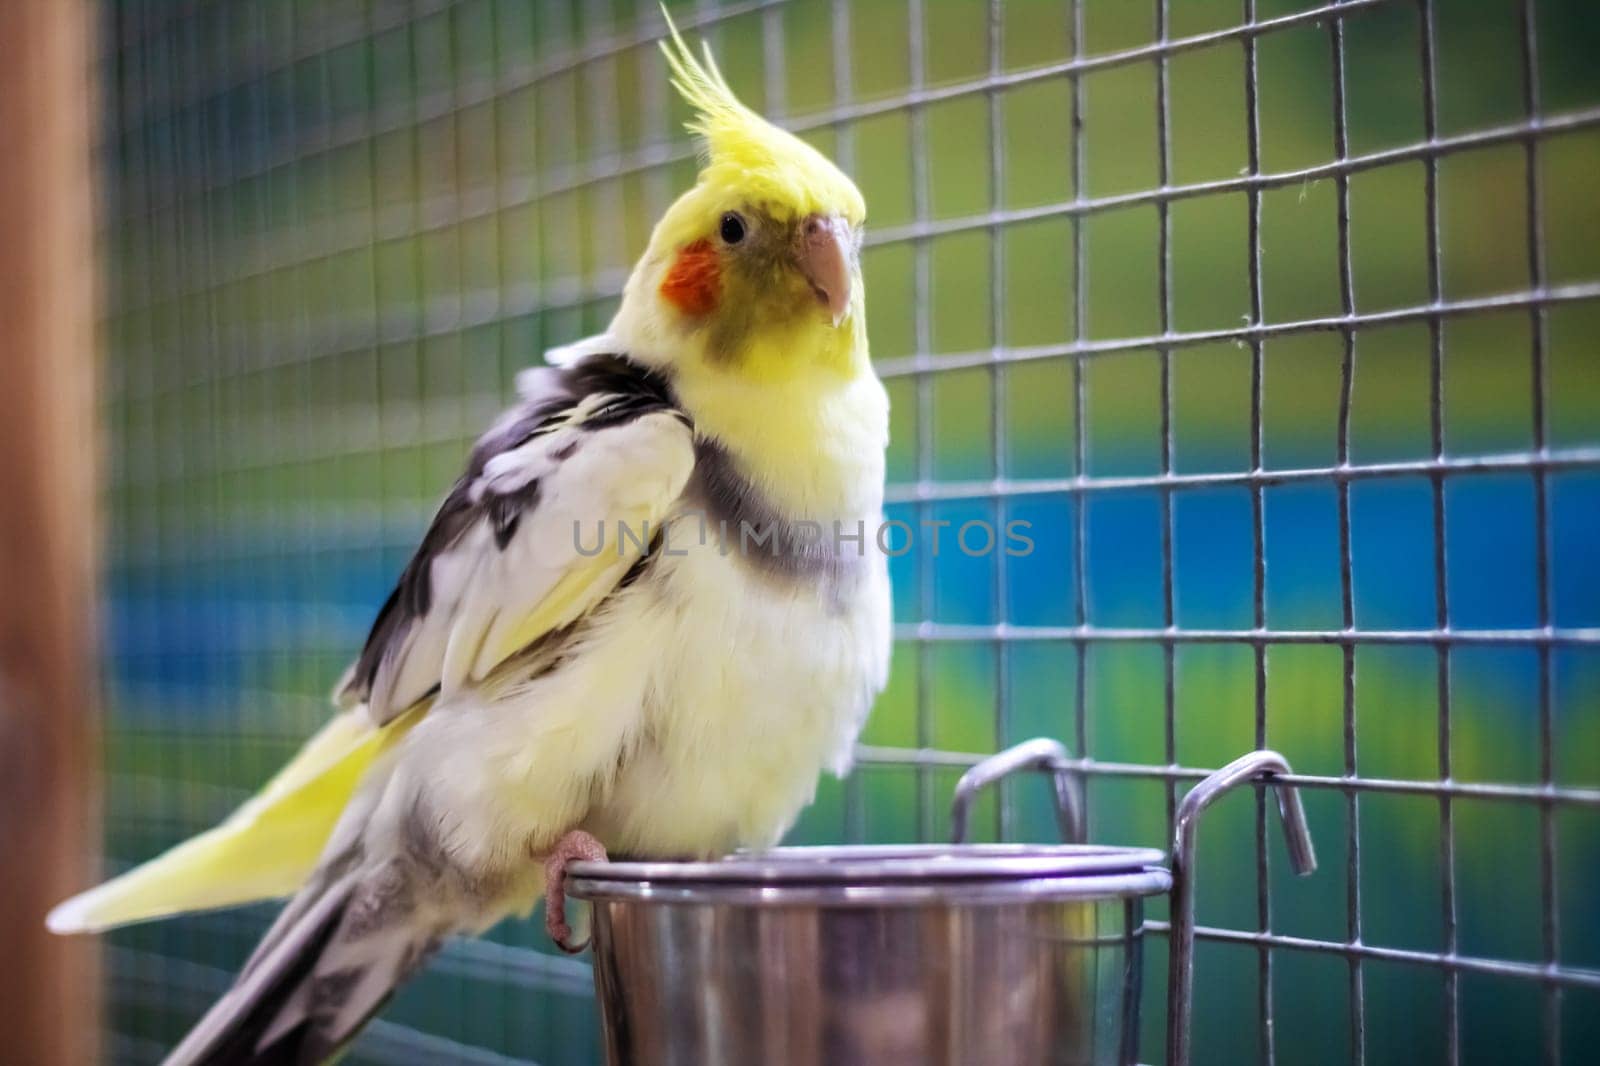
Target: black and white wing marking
{"x": 601, "y": 441}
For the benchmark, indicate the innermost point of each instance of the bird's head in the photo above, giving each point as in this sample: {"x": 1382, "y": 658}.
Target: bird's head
{"x": 755, "y": 270}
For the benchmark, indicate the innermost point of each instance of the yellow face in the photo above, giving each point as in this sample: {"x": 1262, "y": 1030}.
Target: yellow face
{"x": 743, "y": 276}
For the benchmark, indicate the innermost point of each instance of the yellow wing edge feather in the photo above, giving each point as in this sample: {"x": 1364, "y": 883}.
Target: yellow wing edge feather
{"x": 264, "y": 850}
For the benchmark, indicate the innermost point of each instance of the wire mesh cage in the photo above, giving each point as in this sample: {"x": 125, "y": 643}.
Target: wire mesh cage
{"x": 1271, "y": 321}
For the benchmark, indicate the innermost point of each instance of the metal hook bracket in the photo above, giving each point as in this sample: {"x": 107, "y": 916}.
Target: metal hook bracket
{"x": 1265, "y": 765}
{"x": 1041, "y": 753}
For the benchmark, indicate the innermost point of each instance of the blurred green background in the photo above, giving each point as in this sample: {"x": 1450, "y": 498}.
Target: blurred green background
{"x": 333, "y": 232}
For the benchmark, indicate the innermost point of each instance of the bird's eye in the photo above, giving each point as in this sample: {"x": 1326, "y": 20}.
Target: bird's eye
{"x": 732, "y": 228}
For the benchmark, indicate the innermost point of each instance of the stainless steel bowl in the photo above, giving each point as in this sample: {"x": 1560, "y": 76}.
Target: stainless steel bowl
{"x": 834, "y": 956}
{"x": 847, "y": 956}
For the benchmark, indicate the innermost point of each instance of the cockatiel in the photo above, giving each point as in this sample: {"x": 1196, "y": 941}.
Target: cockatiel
{"x": 645, "y": 618}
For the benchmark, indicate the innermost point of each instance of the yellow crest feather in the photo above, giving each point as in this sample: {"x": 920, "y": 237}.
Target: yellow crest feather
{"x": 745, "y": 152}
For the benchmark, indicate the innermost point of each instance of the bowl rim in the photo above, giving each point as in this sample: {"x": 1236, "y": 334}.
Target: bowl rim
{"x": 1150, "y": 881}
{"x": 859, "y": 871}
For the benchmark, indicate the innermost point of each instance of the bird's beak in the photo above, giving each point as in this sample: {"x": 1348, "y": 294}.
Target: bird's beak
{"x": 824, "y": 251}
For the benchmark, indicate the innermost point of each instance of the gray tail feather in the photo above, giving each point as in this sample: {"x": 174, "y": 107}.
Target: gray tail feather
{"x": 323, "y": 969}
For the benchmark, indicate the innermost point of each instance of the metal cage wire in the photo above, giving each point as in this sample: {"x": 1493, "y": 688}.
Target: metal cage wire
{"x": 233, "y": 236}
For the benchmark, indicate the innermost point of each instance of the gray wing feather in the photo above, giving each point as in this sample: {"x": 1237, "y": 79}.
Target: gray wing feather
{"x": 229, "y": 1031}
{"x": 485, "y": 520}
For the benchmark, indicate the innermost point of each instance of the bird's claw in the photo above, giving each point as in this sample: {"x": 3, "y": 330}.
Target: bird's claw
{"x": 572, "y": 847}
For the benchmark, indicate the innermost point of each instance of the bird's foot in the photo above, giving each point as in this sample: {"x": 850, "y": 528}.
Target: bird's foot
{"x": 574, "y": 846}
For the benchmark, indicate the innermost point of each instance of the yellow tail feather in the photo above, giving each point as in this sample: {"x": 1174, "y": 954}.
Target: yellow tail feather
{"x": 264, "y": 850}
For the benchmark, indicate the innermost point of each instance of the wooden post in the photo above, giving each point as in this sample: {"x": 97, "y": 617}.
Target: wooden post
{"x": 49, "y": 457}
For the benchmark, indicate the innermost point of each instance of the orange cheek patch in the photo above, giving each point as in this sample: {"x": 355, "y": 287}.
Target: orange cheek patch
{"x": 692, "y": 284}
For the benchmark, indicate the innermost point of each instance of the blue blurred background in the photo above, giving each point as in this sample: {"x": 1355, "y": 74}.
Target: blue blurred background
{"x": 334, "y": 231}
